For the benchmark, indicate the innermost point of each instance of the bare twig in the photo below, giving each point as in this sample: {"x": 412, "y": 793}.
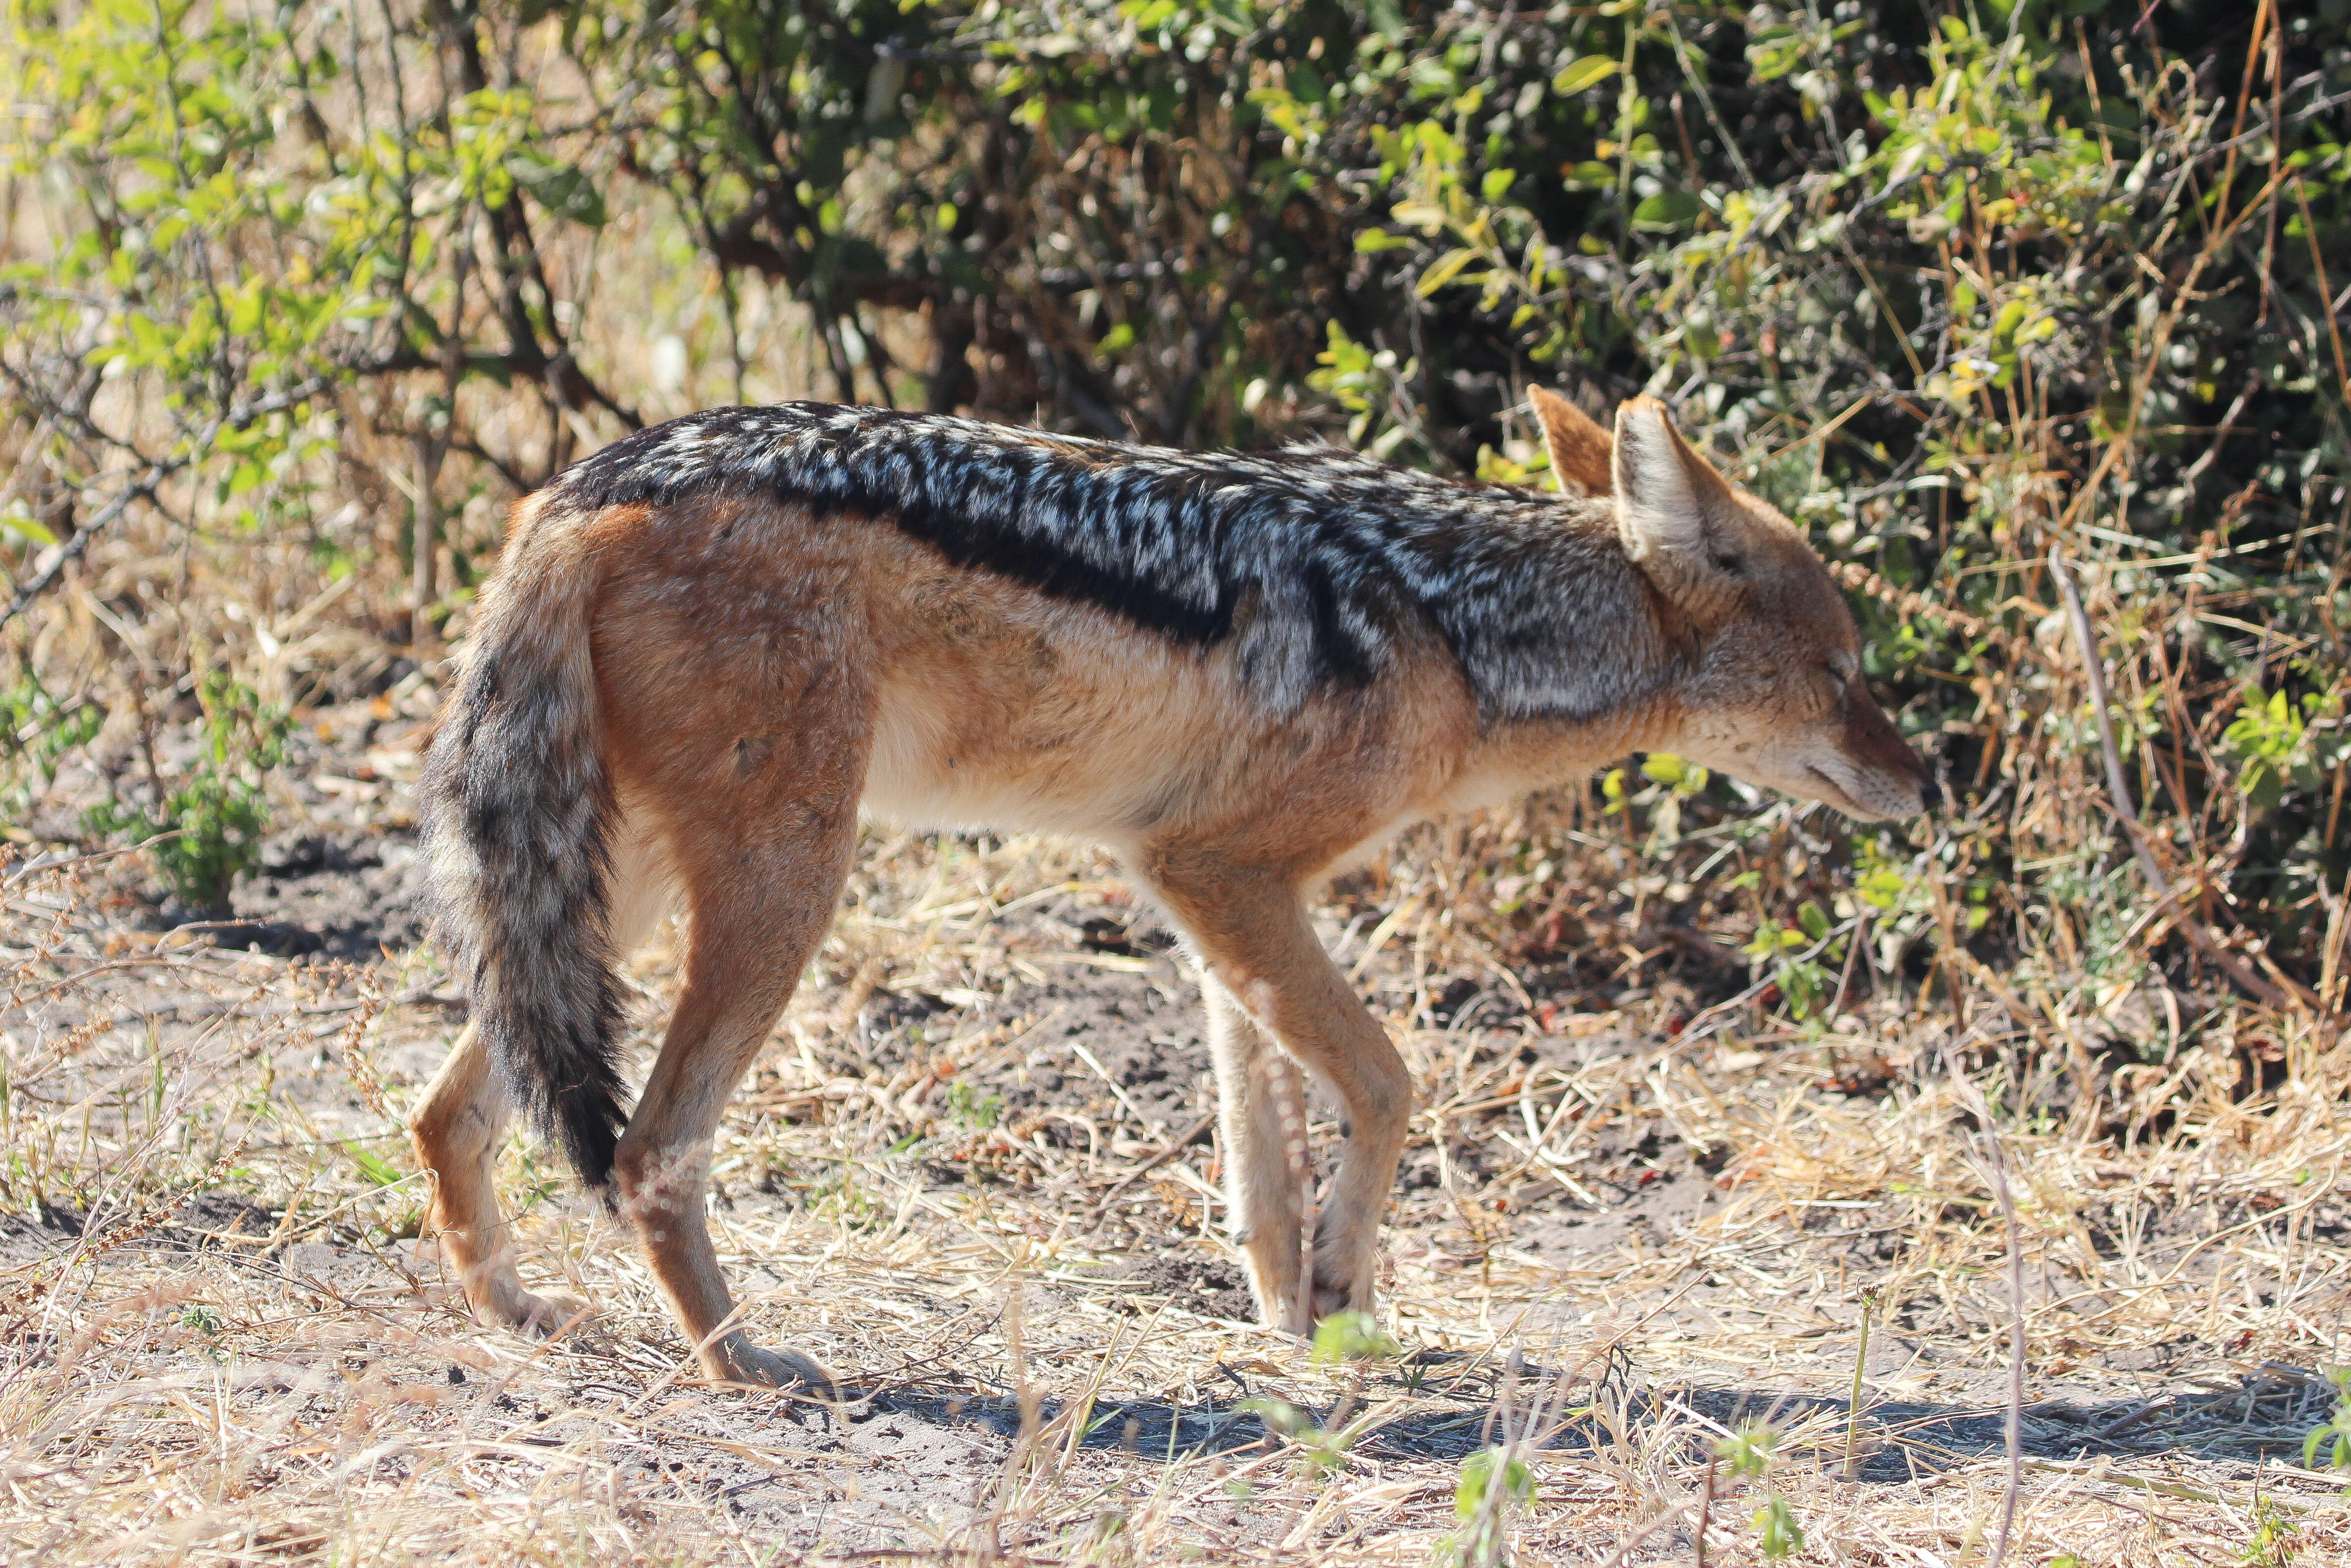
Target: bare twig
{"x": 151, "y": 479}
{"x": 1167, "y": 1151}
{"x": 2012, "y": 1426}
{"x": 41, "y": 581}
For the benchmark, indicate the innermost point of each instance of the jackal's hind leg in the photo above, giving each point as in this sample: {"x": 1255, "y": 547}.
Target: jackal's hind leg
{"x": 1263, "y": 1189}
{"x": 455, "y": 1131}
{"x": 457, "y": 1126}
{"x": 762, "y": 880}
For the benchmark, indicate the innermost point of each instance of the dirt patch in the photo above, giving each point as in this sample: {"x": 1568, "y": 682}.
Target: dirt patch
{"x": 340, "y": 895}
{"x": 1199, "y": 1282}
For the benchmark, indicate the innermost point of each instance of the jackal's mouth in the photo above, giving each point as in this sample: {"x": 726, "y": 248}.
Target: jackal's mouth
{"x": 1836, "y": 795}
{"x": 1846, "y": 800}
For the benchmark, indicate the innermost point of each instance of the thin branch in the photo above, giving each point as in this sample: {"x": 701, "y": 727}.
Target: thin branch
{"x": 2012, "y": 1426}
{"x": 43, "y": 581}
{"x": 145, "y": 486}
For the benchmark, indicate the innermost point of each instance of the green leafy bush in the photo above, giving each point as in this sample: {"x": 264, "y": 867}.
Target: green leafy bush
{"x": 36, "y": 731}
{"x": 209, "y": 829}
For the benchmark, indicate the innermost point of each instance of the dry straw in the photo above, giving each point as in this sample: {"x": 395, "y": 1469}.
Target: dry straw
{"x": 294, "y": 1381}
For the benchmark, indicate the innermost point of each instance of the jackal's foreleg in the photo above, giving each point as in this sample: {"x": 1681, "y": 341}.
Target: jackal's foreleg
{"x": 1263, "y": 1187}
{"x": 455, "y": 1131}
{"x": 1253, "y": 933}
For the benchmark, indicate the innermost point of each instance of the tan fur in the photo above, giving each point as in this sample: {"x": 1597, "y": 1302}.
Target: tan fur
{"x": 1580, "y": 445}
{"x": 761, "y": 673}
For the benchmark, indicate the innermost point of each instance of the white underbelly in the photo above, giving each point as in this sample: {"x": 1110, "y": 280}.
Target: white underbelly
{"x": 1106, "y": 794}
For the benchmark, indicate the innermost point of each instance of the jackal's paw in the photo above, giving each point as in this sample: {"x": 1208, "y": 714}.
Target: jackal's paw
{"x": 1272, "y": 1264}
{"x": 735, "y": 1359}
{"x": 1331, "y": 1300}
{"x": 1345, "y": 1272}
{"x": 541, "y": 1316}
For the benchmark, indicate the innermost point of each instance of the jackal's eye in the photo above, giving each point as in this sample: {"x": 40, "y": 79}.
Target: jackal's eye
{"x": 1731, "y": 564}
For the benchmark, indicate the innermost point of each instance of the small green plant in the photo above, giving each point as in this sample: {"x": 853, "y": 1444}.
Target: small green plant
{"x": 2333, "y": 1436}
{"x": 1353, "y": 1336}
{"x": 538, "y": 1182}
{"x": 208, "y": 1326}
{"x": 1776, "y": 1530}
{"x": 1324, "y": 1451}
{"x": 2268, "y": 735}
{"x": 973, "y": 1109}
{"x": 1748, "y": 1452}
{"x": 216, "y": 817}
{"x": 1492, "y": 1480}
{"x": 36, "y": 729}
{"x": 1803, "y": 981}
{"x": 2271, "y": 1544}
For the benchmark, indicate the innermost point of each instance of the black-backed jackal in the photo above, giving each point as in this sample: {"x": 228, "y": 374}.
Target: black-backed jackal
{"x": 711, "y": 645}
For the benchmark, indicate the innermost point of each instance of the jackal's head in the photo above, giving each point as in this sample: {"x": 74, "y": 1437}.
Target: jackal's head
{"x": 1777, "y": 698}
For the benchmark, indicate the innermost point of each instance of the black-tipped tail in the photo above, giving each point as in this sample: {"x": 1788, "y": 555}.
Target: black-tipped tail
{"x": 519, "y": 814}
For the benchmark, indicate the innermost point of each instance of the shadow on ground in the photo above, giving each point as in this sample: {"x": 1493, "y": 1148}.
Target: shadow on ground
{"x": 1453, "y": 1415}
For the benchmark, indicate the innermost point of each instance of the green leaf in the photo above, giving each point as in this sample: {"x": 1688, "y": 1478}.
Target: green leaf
{"x": 1478, "y": 1479}
{"x": 1775, "y": 1523}
{"x": 1444, "y": 271}
{"x": 564, "y": 193}
{"x": 23, "y": 527}
{"x": 373, "y": 1165}
{"x": 1353, "y": 1336}
{"x": 1667, "y": 210}
{"x": 1664, "y": 766}
{"x": 1588, "y": 72}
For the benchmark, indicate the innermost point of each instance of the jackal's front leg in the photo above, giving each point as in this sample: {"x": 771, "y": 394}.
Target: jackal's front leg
{"x": 1264, "y": 1186}
{"x": 1252, "y": 931}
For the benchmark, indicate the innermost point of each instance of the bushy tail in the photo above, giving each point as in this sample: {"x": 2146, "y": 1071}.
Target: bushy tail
{"x": 518, "y": 814}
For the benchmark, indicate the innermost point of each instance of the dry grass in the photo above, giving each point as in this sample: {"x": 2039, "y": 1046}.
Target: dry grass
{"x": 222, "y": 1343}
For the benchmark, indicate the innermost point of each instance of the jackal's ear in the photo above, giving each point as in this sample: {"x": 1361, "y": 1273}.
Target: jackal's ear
{"x": 1579, "y": 446}
{"x": 1674, "y": 510}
